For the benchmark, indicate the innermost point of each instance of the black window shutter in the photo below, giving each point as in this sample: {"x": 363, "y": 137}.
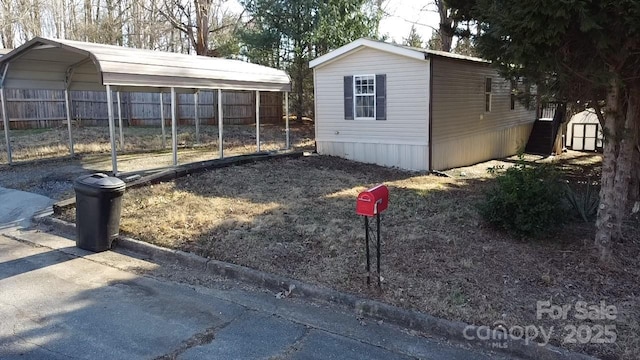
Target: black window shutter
{"x": 381, "y": 97}
{"x": 348, "y": 97}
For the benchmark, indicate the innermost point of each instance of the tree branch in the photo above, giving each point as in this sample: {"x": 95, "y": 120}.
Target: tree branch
{"x": 598, "y": 110}
{"x": 174, "y": 22}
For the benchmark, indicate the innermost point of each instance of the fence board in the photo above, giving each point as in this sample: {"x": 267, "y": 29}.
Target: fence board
{"x": 29, "y": 109}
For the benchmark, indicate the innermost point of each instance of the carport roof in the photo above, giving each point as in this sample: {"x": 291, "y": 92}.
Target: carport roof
{"x": 43, "y": 63}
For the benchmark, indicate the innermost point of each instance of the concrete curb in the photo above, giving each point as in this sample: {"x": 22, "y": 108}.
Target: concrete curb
{"x": 409, "y": 319}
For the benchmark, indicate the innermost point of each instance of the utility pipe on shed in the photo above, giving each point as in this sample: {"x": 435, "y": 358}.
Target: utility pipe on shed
{"x": 120, "y": 121}
{"x": 220, "y": 125}
{"x": 286, "y": 121}
{"x": 112, "y": 131}
{"x": 67, "y": 105}
{"x": 258, "y": 120}
{"x": 5, "y": 113}
{"x": 164, "y": 135}
{"x": 5, "y": 117}
{"x": 174, "y": 126}
{"x": 196, "y": 119}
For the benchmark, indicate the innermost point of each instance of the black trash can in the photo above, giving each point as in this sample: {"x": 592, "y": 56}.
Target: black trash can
{"x": 98, "y": 206}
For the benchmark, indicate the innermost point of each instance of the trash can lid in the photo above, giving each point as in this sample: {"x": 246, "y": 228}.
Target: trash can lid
{"x": 101, "y": 181}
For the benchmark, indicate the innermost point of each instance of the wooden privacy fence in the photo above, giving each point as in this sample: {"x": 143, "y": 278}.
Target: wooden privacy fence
{"x": 32, "y": 109}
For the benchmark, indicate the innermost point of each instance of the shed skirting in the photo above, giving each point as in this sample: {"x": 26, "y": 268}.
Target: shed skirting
{"x": 475, "y": 148}
{"x": 409, "y": 157}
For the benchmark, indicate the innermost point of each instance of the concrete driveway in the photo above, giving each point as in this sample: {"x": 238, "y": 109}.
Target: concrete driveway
{"x": 18, "y": 207}
{"x": 60, "y": 302}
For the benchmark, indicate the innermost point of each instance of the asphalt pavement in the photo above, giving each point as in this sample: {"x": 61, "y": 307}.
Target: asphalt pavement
{"x": 61, "y": 302}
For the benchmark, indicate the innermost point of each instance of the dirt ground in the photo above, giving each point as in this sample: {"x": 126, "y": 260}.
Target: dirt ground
{"x": 296, "y": 217}
{"x": 54, "y": 176}
{"x": 38, "y": 144}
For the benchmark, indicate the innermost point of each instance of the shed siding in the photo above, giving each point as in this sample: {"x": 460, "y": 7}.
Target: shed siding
{"x": 462, "y": 132}
{"x": 400, "y": 140}
{"x": 472, "y": 149}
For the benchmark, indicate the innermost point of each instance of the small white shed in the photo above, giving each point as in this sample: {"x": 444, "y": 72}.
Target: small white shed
{"x": 413, "y": 108}
{"x": 584, "y": 132}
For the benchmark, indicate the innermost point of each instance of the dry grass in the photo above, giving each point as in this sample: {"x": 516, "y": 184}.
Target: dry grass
{"x": 296, "y": 217}
{"x": 238, "y": 139}
{"x": 574, "y": 164}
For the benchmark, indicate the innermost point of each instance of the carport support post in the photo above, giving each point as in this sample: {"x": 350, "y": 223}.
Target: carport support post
{"x": 196, "y": 119}
{"x": 120, "y": 121}
{"x": 286, "y": 121}
{"x": 174, "y": 127}
{"x": 67, "y": 105}
{"x": 220, "y": 124}
{"x": 164, "y": 135}
{"x": 5, "y": 118}
{"x": 112, "y": 131}
{"x": 258, "y": 120}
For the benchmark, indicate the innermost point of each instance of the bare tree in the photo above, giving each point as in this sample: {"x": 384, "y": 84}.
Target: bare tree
{"x": 198, "y": 19}
{"x": 448, "y": 25}
{"x": 202, "y": 26}
{"x": 8, "y": 21}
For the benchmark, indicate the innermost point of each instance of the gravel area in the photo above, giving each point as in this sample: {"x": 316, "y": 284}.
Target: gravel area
{"x": 53, "y": 179}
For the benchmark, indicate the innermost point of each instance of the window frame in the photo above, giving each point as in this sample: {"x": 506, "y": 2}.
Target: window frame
{"x": 373, "y": 95}
{"x": 488, "y": 101}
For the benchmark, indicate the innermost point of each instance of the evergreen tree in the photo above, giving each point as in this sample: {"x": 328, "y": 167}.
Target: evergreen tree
{"x": 414, "y": 39}
{"x": 587, "y": 50}
{"x": 288, "y": 33}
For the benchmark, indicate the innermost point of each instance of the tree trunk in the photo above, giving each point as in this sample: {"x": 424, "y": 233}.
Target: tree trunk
{"x": 446, "y": 41}
{"x": 624, "y": 163}
{"x": 634, "y": 190}
{"x": 617, "y": 163}
{"x": 606, "y": 221}
{"x": 299, "y": 89}
{"x": 88, "y": 20}
{"x": 203, "y": 9}
{"x": 8, "y": 33}
{"x": 447, "y": 26}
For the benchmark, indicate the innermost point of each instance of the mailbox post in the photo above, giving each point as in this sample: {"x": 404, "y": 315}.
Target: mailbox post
{"x": 370, "y": 203}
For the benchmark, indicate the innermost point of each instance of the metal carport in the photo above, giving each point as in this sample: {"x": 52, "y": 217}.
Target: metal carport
{"x": 55, "y": 64}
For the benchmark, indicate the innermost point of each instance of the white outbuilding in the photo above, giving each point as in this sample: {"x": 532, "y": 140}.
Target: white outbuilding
{"x": 584, "y": 132}
{"x": 57, "y": 64}
{"x": 413, "y": 108}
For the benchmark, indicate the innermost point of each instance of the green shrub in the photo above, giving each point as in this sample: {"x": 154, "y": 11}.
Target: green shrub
{"x": 527, "y": 200}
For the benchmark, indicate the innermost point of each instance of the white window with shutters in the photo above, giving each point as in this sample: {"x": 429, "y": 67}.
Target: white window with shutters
{"x": 364, "y": 92}
{"x": 365, "y": 97}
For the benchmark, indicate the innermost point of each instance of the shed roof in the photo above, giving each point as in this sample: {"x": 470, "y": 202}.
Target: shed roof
{"x": 587, "y": 116}
{"x": 408, "y": 51}
{"x": 44, "y": 63}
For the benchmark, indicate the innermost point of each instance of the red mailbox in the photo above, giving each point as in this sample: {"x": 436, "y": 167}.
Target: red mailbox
{"x": 373, "y": 201}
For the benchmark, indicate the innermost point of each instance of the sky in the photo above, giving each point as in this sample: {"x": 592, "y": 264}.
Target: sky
{"x": 404, "y": 13}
